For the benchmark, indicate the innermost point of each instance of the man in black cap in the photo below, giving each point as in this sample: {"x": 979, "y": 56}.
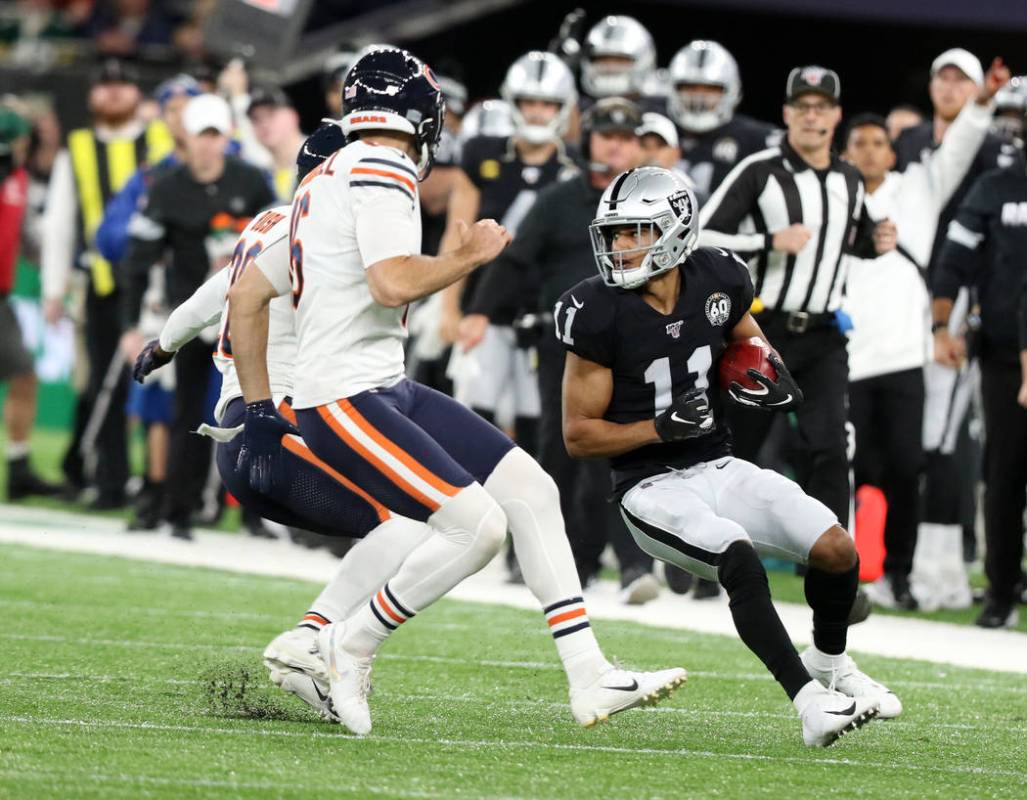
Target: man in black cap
{"x": 551, "y": 253}
{"x": 793, "y": 211}
{"x": 97, "y": 163}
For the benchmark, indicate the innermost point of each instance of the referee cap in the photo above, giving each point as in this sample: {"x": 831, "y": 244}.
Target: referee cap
{"x": 813, "y": 80}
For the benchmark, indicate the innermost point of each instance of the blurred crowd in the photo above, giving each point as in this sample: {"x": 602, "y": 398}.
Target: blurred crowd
{"x": 936, "y": 330}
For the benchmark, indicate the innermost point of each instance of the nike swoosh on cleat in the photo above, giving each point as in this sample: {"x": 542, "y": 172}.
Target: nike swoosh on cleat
{"x": 321, "y": 697}
{"x": 848, "y": 712}
{"x": 629, "y": 688}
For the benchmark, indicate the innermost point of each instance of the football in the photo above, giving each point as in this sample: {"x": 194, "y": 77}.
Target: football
{"x": 741, "y": 356}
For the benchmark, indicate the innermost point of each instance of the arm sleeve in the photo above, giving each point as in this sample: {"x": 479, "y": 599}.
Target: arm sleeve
{"x": 724, "y": 212}
{"x": 967, "y": 233}
{"x": 147, "y": 232}
{"x": 58, "y": 229}
{"x": 273, "y": 262}
{"x": 953, "y": 159}
{"x": 203, "y": 308}
{"x": 584, "y": 325}
{"x": 112, "y": 235}
{"x": 514, "y": 277}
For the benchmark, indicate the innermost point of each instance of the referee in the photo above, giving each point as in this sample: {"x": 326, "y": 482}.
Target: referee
{"x": 794, "y": 210}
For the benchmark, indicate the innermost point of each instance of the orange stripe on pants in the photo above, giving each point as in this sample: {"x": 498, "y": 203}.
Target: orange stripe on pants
{"x": 304, "y": 452}
{"x": 380, "y": 465}
{"x": 409, "y": 461}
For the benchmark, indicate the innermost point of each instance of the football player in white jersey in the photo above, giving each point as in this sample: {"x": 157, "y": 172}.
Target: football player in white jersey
{"x": 355, "y": 265}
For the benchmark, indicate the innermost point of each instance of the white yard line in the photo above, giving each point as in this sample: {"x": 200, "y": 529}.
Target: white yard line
{"x": 494, "y": 744}
{"x": 897, "y": 637}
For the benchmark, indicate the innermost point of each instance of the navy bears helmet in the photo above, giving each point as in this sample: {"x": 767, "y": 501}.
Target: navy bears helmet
{"x": 391, "y": 89}
{"x": 318, "y": 147}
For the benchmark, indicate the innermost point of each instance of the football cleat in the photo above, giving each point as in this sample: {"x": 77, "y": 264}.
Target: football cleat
{"x": 618, "y": 690}
{"x": 827, "y": 715}
{"x": 349, "y": 680}
{"x": 310, "y": 690}
{"x": 851, "y": 682}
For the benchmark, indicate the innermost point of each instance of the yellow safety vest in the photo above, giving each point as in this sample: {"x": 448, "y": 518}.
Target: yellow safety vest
{"x": 95, "y": 186}
{"x": 285, "y": 183}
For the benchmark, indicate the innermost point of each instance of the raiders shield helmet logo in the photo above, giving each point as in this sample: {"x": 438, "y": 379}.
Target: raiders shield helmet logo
{"x": 682, "y": 205}
{"x": 718, "y": 308}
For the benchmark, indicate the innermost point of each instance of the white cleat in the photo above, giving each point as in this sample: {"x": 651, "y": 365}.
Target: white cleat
{"x": 296, "y": 667}
{"x": 850, "y": 681}
{"x": 349, "y": 680}
{"x": 826, "y": 714}
{"x": 618, "y": 690}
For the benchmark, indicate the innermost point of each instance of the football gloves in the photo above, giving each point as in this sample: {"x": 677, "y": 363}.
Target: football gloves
{"x": 687, "y": 417}
{"x": 151, "y": 358}
{"x": 260, "y": 454}
{"x": 782, "y": 395}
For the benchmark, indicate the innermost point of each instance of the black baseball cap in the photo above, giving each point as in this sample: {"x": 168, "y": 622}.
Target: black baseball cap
{"x": 270, "y": 96}
{"x": 612, "y": 114}
{"x": 813, "y": 80}
{"x": 115, "y": 70}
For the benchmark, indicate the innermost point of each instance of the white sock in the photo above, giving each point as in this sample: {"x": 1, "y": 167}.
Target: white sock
{"x": 17, "y": 450}
{"x": 825, "y": 662}
{"x": 368, "y": 565}
{"x": 531, "y": 501}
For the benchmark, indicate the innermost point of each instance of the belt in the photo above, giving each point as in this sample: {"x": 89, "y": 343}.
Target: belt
{"x": 798, "y": 321}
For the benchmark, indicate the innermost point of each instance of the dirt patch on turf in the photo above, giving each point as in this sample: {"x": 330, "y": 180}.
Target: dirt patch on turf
{"x": 241, "y": 690}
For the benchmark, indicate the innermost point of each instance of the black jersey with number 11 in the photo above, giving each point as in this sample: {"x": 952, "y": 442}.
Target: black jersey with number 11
{"x": 655, "y": 357}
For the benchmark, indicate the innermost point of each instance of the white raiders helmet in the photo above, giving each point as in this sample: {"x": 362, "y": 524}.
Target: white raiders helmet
{"x": 706, "y": 64}
{"x": 1010, "y": 109}
{"x": 656, "y": 201}
{"x": 540, "y": 76}
{"x": 622, "y": 37}
{"x": 492, "y": 117}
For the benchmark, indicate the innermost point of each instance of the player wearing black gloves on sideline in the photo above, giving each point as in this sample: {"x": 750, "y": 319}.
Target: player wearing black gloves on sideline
{"x": 649, "y": 329}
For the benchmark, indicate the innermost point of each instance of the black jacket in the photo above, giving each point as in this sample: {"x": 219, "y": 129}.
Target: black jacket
{"x": 551, "y": 253}
{"x": 986, "y": 247}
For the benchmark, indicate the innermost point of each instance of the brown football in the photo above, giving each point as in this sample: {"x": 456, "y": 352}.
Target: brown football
{"x": 741, "y": 356}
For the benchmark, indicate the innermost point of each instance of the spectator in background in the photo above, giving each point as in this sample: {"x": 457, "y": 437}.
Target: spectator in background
{"x": 901, "y": 117}
{"x": 96, "y": 164}
{"x": 659, "y": 140}
{"x": 889, "y": 343}
{"x": 124, "y": 27}
{"x": 17, "y": 368}
{"x": 150, "y": 403}
{"x": 951, "y": 454}
{"x": 190, "y": 209}
{"x": 335, "y": 71}
{"x": 1010, "y": 104}
{"x": 276, "y": 126}
{"x": 987, "y": 248}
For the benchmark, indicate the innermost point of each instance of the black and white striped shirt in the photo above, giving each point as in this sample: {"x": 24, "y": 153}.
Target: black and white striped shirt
{"x": 773, "y": 189}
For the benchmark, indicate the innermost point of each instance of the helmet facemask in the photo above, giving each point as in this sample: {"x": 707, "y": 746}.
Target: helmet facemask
{"x": 667, "y": 243}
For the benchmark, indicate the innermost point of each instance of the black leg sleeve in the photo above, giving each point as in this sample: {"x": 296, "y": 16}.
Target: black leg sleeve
{"x": 745, "y": 581}
{"x": 830, "y": 595}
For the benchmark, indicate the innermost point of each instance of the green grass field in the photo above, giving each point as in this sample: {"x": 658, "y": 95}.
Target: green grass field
{"x": 111, "y": 664}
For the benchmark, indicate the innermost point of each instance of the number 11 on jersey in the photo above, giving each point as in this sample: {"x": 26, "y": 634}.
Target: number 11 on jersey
{"x": 658, "y": 374}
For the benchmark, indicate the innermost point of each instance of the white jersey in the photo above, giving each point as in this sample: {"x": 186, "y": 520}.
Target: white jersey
{"x": 264, "y": 243}
{"x": 358, "y": 208}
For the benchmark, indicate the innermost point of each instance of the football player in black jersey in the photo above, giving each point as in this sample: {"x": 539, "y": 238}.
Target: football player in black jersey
{"x": 619, "y": 60}
{"x": 642, "y": 341}
{"x": 706, "y": 90}
{"x": 500, "y": 179}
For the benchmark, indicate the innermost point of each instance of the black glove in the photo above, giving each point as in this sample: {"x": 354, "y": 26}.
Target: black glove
{"x": 151, "y": 358}
{"x": 687, "y": 417}
{"x": 262, "y": 434}
{"x": 782, "y": 395}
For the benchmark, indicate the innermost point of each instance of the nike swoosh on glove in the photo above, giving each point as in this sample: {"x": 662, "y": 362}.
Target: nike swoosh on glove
{"x": 261, "y": 449}
{"x": 151, "y": 358}
{"x": 687, "y": 417}
{"x": 782, "y": 395}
